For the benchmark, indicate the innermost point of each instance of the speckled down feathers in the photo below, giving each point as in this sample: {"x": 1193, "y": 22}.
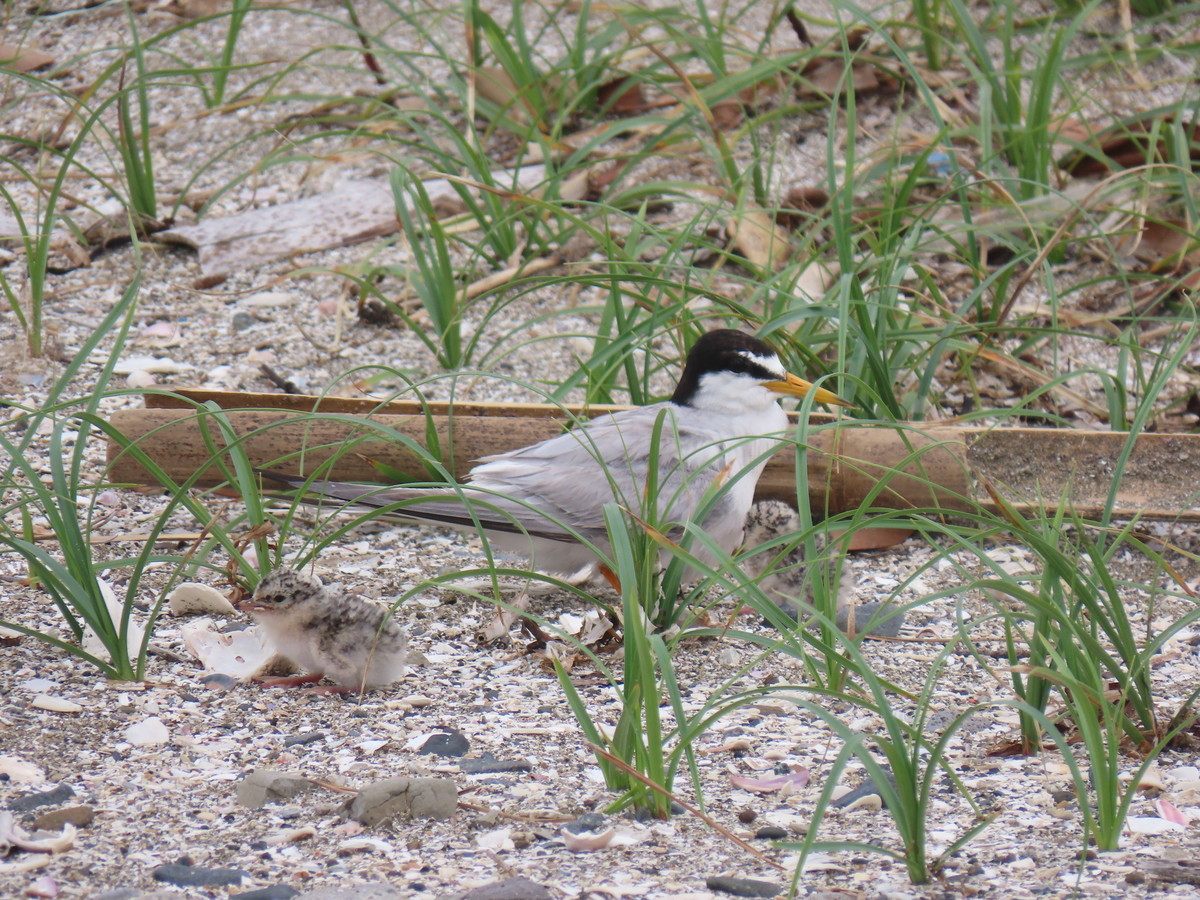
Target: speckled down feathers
{"x": 354, "y": 642}
{"x": 786, "y": 581}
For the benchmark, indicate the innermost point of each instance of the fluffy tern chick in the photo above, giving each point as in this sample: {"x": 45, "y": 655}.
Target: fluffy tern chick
{"x": 355, "y": 643}
{"x": 719, "y": 426}
{"x": 786, "y": 582}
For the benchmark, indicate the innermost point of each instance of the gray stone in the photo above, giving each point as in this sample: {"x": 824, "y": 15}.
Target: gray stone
{"x": 299, "y": 740}
{"x": 121, "y": 893}
{"x": 198, "y": 876}
{"x": 55, "y": 795}
{"x": 274, "y": 892}
{"x": 415, "y": 798}
{"x": 866, "y": 789}
{"x": 263, "y": 786}
{"x": 771, "y": 833}
{"x": 488, "y": 764}
{"x": 743, "y": 887}
{"x": 448, "y": 743}
{"x": 515, "y": 888}
{"x": 370, "y": 890}
{"x": 587, "y": 822}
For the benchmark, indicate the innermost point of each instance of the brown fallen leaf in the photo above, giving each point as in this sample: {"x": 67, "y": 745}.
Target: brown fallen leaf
{"x": 23, "y": 59}
{"x": 621, "y": 97}
{"x": 1125, "y": 145}
{"x": 757, "y": 237}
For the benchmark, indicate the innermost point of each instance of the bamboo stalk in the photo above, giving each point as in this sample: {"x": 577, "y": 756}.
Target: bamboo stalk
{"x": 910, "y": 466}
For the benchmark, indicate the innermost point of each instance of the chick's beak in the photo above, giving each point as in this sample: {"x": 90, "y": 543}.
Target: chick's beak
{"x": 798, "y": 387}
{"x": 249, "y": 605}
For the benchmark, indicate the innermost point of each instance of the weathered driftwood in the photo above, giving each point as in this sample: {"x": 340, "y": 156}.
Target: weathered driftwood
{"x": 355, "y": 211}
{"x": 941, "y": 467}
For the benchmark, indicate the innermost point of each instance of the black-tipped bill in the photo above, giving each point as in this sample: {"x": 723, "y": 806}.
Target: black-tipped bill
{"x": 798, "y": 387}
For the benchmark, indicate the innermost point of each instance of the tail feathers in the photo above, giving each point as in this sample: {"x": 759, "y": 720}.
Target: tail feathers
{"x": 426, "y": 505}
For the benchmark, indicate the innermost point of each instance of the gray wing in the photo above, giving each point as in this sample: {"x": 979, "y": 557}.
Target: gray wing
{"x": 560, "y": 485}
{"x": 570, "y": 477}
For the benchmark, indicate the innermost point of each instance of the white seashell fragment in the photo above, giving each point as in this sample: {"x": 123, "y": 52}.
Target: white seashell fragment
{"x": 1151, "y": 825}
{"x": 161, "y": 365}
{"x": 20, "y": 771}
{"x": 239, "y": 654}
{"x": 147, "y": 733}
{"x": 192, "y": 599}
{"x": 51, "y": 703}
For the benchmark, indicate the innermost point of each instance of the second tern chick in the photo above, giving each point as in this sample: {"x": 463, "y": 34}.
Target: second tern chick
{"x": 786, "y": 582}
{"x": 356, "y": 644}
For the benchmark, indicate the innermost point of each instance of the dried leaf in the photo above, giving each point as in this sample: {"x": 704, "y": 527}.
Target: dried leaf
{"x": 496, "y": 85}
{"x": 755, "y": 235}
{"x": 621, "y": 96}
{"x": 23, "y": 59}
{"x": 727, "y": 115}
{"x": 1126, "y": 145}
{"x": 825, "y": 77}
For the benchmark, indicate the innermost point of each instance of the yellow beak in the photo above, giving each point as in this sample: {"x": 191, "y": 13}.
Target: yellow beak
{"x": 798, "y": 387}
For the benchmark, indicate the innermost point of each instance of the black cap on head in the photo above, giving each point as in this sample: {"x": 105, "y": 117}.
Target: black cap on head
{"x": 723, "y": 350}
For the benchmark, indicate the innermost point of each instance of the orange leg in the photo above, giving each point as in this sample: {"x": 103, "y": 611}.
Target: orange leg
{"x": 610, "y": 576}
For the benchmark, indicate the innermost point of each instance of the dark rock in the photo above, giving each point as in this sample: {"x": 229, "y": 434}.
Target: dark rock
{"x": 743, "y": 887}
{"x": 516, "y": 888}
{"x": 586, "y": 822}
{"x": 263, "y": 786}
{"x": 866, "y": 789}
{"x": 274, "y": 892}
{"x": 219, "y": 681}
{"x": 367, "y": 891}
{"x": 79, "y": 816}
{"x": 198, "y": 876}
{"x": 449, "y": 744}
{"x": 416, "y": 798}
{"x": 489, "y": 764}
{"x": 243, "y": 320}
{"x": 299, "y": 740}
{"x": 771, "y": 833}
{"x": 54, "y": 796}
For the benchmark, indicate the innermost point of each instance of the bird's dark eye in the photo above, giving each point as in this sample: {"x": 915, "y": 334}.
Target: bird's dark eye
{"x": 737, "y": 363}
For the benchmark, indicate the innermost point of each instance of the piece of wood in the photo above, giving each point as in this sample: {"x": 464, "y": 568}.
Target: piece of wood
{"x": 355, "y": 211}
{"x": 899, "y": 467}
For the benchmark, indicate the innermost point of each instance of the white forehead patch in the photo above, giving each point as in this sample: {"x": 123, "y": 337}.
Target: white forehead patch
{"x": 770, "y": 362}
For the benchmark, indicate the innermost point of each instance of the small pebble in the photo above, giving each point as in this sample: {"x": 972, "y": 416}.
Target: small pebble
{"x": 198, "y": 876}
{"x": 219, "y": 681}
{"x": 771, "y": 833}
{"x": 243, "y": 321}
{"x": 487, "y": 764}
{"x": 586, "y": 822}
{"x": 79, "y": 816}
{"x": 59, "y": 794}
{"x": 447, "y": 744}
{"x": 743, "y": 887}
{"x": 299, "y": 740}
